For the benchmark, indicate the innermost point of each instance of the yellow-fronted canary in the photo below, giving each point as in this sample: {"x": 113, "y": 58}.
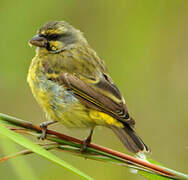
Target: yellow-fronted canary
{"x": 72, "y": 85}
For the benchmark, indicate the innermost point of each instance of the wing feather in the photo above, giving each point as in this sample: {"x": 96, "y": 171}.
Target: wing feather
{"x": 100, "y": 94}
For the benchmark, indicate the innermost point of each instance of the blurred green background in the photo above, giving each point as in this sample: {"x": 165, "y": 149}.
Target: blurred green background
{"x": 144, "y": 44}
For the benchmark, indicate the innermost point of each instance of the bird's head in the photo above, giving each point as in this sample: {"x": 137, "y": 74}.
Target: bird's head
{"x": 57, "y": 36}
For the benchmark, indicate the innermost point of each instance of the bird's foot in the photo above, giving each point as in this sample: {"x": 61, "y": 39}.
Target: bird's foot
{"x": 43, "y": 127}
{"x": 86, "y": 142}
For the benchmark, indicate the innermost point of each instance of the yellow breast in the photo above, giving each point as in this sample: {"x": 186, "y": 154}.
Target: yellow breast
{"x": 61, "y": 105}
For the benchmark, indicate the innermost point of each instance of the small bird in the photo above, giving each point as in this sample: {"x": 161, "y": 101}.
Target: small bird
{"x": 72, "y": 85}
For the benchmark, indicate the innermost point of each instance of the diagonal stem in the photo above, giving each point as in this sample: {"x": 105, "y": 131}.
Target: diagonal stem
{"x": 138, "y": 162}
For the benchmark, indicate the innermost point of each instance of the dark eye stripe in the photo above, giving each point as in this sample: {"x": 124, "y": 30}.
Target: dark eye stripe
{"x": 53, "y": 36}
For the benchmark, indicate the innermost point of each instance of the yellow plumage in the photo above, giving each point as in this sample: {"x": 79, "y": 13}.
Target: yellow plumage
{"x": 71, "y": 84}
{"x": 76, "y": 114}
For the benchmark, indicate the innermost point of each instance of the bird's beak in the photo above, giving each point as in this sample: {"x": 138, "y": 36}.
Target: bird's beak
{"x": 38, "y": 41}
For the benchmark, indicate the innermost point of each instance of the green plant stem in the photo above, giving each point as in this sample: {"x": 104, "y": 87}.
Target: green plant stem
{"x": 103, "y": 150}
{"x": 27, "y": 151}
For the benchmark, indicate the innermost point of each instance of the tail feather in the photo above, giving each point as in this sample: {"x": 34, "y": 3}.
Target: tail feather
{"x": 130, "y": 139}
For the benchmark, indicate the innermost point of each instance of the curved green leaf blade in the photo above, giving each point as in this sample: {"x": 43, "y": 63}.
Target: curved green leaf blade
{"x": 150, "y": 176}
{"x": 19, "y": 166}
{"x": 39, "y": 150}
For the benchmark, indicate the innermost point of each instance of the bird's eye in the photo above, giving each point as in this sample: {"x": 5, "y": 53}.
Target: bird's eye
{"x": 127, "y": 116}
{"x": 53, "y": 36}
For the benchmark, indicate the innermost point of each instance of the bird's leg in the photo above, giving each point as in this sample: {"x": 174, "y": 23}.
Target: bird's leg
{"x": 44, "y": 126}
{"x": 86, "y": 141}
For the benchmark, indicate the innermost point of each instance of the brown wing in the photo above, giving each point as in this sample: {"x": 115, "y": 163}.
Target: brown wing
{"x": 100, "y": 94}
